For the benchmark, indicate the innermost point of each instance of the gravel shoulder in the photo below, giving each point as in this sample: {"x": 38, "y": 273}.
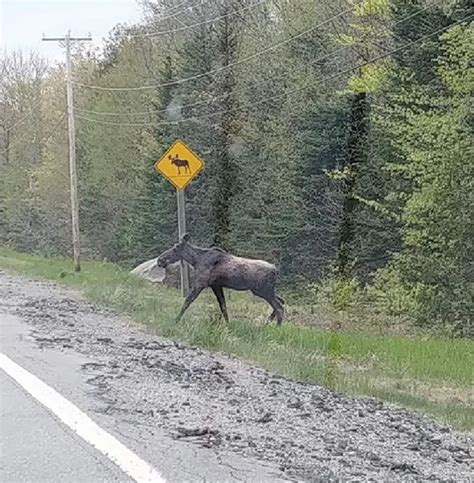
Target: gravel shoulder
{"x": 214, "y": 401}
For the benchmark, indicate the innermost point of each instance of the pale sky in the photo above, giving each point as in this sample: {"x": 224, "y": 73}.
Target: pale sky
{"x": 23, "y": 22}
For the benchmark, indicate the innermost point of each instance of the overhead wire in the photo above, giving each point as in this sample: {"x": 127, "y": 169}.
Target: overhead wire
{"x": 13, "y": 126}
{"x": 218, "y": 69}
{"x": 16, "y": 142}
{"x": 44, "y": 139}
{"x": 223, "y": 96}
{"x": 162, "y": 19}
{"x": 197, "y": 103}
{"x": 225, "y": 67}
{"x": 200, "y": 24}
{"x": 290, "y": 93}
{"x": 24, "y": 118}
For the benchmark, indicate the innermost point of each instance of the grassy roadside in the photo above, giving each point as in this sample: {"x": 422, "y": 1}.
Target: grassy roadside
{"x": 433, "y": 376}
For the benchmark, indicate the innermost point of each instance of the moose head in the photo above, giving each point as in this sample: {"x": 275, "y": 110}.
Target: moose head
{"x": 174, "y": 254}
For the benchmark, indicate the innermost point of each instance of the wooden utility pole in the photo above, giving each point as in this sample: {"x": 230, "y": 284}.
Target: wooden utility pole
{"x": 72, "y": 142}
{"x": 181, "y": 232}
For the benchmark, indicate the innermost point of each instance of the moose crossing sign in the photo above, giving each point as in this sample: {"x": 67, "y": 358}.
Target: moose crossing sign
{"x": 179, "y": 165}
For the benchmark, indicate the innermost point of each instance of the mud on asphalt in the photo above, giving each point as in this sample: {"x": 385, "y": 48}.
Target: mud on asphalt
{"x": 216, "y": 401}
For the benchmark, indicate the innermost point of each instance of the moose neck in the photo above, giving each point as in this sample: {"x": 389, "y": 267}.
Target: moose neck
{"x": 192, "y": 254}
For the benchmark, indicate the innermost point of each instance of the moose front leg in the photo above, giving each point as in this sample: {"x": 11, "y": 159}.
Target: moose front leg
{"x": 188, "y": 301}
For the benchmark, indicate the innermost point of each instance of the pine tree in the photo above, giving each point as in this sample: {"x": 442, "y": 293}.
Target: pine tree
{"x": 152, "y": 225}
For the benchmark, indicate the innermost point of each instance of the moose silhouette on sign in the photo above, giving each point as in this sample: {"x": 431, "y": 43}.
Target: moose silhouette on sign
{"x": 180, "y": 163}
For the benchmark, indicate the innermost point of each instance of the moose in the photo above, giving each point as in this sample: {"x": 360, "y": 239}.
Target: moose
{"x": 180, "y": 163}
{"x": 217, "y": 269}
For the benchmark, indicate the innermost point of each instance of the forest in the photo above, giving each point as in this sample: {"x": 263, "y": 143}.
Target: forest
{"x": 337, "y": 137}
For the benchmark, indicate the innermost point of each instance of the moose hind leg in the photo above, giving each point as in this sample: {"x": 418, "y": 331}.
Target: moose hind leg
{"x": 281, "y": 303}
{"x": 272, "y": 299}
{"x": 219, "y": 293}
{"x": 277, "y": 309}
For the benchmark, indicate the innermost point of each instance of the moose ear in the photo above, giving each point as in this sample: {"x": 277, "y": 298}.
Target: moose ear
{"x": 185, "y": 238}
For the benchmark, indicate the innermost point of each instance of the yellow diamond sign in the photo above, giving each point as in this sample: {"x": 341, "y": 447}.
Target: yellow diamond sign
{"x": 179, "y": 165}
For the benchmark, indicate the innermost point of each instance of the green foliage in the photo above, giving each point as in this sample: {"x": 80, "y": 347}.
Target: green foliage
{"x": 372, "y": 78}
{"x": 433, "y": 376}
{"x": 373, "y": 7}
{"x": 370, "y": 172}
{"x": 341, "y": 293}
{"x": 392, "y": 295}
{"x": 434, "y": 136}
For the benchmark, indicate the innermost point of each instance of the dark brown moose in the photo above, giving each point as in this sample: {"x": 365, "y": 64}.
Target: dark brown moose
{"x": 217, "y": 269}
{"x": 180, "y": 163}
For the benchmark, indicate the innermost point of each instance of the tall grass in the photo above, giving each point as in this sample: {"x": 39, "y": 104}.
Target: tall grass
{"x": 430, "y": 375}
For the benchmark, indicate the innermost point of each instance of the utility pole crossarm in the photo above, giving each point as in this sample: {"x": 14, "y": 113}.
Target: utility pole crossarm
{"x": 72, "y": 143}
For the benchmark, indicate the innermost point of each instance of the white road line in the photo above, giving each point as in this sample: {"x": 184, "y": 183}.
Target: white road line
{"x": 81, "y": 424}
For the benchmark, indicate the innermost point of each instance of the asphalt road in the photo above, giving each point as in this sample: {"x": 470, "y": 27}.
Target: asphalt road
{"x": 135, "y": 401}
{"x": 36, "y": 447}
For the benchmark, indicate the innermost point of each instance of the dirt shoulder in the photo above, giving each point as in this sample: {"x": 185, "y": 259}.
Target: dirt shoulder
{"x": 221, "y": 403}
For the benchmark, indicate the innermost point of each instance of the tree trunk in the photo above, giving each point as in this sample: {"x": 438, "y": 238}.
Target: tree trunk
{"x": 225, "y": 169}
{"x": 355, "y": 157}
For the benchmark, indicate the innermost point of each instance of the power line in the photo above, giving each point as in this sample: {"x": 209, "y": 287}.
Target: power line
{"x": 154, "y": 113}
{"x": 17, "y": 141}
{"x": 223, "y": 96}
{"x": 206, "y": 102}
{"x": 60, "y": 120}
{"x": 105, "y": 113}
{"x": 129, "y": 124}
{"x": 24, "y": 118}
{"x": 185, "y": 106}
{"x": 162, "y": 19}
{"x": 21, "y": 140}
{"x": 199, "y": 24}
{"x": 218, "y": 69}
{"x": 199, "y": 103}
{"x": 194, "y": 104}
{"x": 295, "y": 91}
{"x": 346, "y": 71}
{"x": 32, "y": 106}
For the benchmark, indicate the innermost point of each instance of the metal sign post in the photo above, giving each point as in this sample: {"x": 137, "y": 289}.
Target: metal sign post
{"x": 181, "y": 232}
{"x": 179, "y": 165}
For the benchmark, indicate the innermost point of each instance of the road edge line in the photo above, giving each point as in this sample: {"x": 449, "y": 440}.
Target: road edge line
{"x": 81, "y": 424}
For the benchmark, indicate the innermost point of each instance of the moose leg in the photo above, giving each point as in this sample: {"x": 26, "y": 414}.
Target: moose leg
{"x": 191, "y": 297}
{"x": 282, "y": 302}
{"x": 219, "y": 293}
{"x": 272, "y": 299}
{"x": 277, "y": 309}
